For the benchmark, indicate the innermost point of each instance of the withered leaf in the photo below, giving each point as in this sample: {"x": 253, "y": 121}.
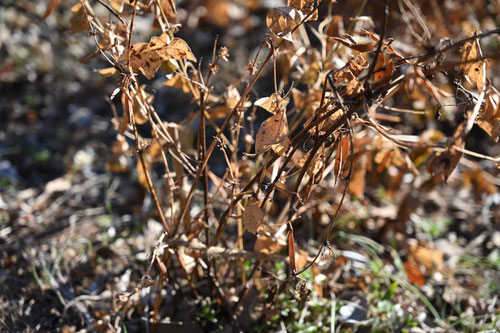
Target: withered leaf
{"x": 350, "y": 43}
{"x": 354, "y": 87}
{"x": 106, "y": 72}
{"x": 473, "y": 71}
{"x": 268, "y": 245}
{"x": 379, "y": 73}
{"x": 252, "y": 216}
{"x": 352, "y": 69}
{"x": 358, "y": 180}
{"x": 79, "y": 17}
{"x": 341, "y": 156}
{"x": 315, "y": 164}
{"x": 305, "y": 6}
{"x": 273, "y": 103}
{"x": 422, "y": 255}
{"x": 414, "y": 274}
{"x": 141, "y": 99}
{"x": 148, "y": 57}
{"x": 273, "y": 133}
{"x": 117, "y": 5}
{"x": 177, "y": 81}
{"x": 127, "y": 109}
{"x": 283, "y": 20}
{"x": 489, "y": 119}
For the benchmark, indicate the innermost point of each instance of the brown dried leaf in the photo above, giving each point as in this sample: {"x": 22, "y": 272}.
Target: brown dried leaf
{"x": 268, "y": 245}
{"x": 273, "y": 103}
{"x": 305, "y": 6}
{"x": 283, "y": 20}
{"x": 252, "y": 217}
{"x": 117, "y": 5}
{"x": 314, "y": 166}
{"x": 354, "y": 87}
{"x": 107, "y": 72}
{"x": 470, "y": 52}
{"x": 79, "y": 20}
{"x": 481, "y": 77}
{"x": 127, "y": 109}
{"x": 358, "y": 64}
{"x": 422, "y": 255}
{"x": 480, "y": 184}
{"x": 379, "y": 73}
{"x": 140, "y": 108}
{"x": 341, "y": 156}
{"x": 273, "y": 133}
{"x": 177, "y": 49}
{"x": 177, "y": 81}
{"x": 414, "y": 274}
{"x": 489, "y": 120}
{"x": 358, "y": 181}
{"x": 281, "y": 148}
{"x": 442, "y": 164}
{"x": 148, "y": 57}
{"x": 473, "y": 71}
{"x": 336, "y": 26}
{"x": 352, "y": 69}
{"x": 389, "y": 69}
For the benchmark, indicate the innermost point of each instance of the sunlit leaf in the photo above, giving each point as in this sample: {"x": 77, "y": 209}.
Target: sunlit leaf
{"x": 273, "y": 103}
{"x": 283, "y": 20}
{"x": 489, "y": 119}
{"x": 273, "y": 133}
{"x": 305, "y": 6}
{"x": 148, "y": 57}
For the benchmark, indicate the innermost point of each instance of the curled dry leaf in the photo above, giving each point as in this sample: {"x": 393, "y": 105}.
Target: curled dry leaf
{"x": 354, "y": 87}
{"x": 383, "y": 67}
{"x": 283, "y": 20}
{"x": 305, "y": 6}
{"x": 272, "y": 103}
{"x": 253, "y": 216}
{"x": 352, "y": 44}
{"x": 489, "y": 119}
{"x": 273, "y": 133}
{"x": 148, "y": 57}
{"x": 351, "y": 70}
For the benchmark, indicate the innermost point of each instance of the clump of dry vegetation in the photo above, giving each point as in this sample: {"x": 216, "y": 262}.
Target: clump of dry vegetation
{"x": 306, "y": 166}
